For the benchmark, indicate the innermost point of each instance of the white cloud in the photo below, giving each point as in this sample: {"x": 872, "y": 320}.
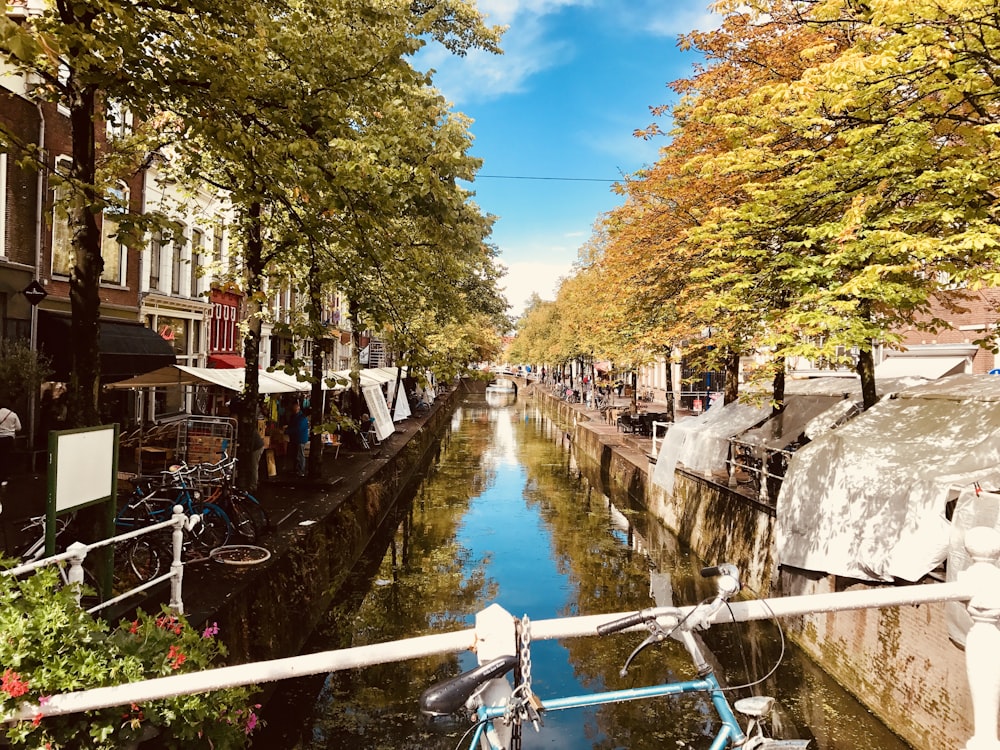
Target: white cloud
{"x": 481, "y": 76}
{"x": 668, "y": 19}
{"x": 526, "y": 277}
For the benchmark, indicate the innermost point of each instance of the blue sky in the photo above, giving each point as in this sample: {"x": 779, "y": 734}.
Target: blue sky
{"x": 576, "y": 79}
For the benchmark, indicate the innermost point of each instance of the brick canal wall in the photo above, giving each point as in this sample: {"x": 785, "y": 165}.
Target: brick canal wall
{"x": 897, "y": 661}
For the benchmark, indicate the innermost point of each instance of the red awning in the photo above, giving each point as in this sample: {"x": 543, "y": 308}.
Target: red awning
{"x": 226, "y": 361}
{"x": 604, "y": 366}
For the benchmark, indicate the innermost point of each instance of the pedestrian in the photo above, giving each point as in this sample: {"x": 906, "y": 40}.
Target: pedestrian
{"x": 236, "y": 406}
{"x": 298, "y": 437}
{"x": 9, "y": 425}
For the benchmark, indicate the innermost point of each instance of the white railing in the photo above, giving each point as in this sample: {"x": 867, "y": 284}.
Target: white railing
{"x": 666, "y": 426}
{"x": 77, "y": 552}
{"x": 979, "y": 585}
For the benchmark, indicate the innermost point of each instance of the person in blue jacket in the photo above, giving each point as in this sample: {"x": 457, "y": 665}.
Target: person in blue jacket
{"x": 298, "y": 437}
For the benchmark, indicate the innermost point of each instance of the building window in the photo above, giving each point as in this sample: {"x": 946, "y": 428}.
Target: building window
{"x": 112, "y": 250}
{"x": 155, "y": 252}
{"x": 118, "y": 120}
{"x": 177, "y": 263}
{"x": 63, "y": 257}
{"x": 197, "y": 248}
{"x": 217, "y": 247}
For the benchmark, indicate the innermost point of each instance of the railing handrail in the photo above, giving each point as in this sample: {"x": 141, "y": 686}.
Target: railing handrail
{"x": 77, "y": 552}
{"x": 977, "y": 583}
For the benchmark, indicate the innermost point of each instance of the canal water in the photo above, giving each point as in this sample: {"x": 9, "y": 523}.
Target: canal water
{"x": 505, "y": 516}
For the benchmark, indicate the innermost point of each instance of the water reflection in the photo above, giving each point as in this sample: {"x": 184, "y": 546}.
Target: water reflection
{"x": 505, "y": 515}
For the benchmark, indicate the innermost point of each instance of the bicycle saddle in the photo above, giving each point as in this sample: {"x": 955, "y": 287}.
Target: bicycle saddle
{"x": 447, "y": 696}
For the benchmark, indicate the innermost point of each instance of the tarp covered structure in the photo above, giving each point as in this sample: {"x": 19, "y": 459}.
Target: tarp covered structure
{"x": 867, "y": 500}
{"x": 701, "y": 444}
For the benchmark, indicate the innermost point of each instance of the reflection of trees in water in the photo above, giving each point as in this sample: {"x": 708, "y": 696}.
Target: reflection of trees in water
{"x": 591, "y": 547}
{"x": 426, "y": 582}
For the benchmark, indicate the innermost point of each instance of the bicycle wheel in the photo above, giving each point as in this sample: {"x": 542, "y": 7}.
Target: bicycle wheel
{"x": 213, "y": 530}
{"x": 243, "y": 525}
{"x": 250, "y": 507}
{"x": 137, "y": 561}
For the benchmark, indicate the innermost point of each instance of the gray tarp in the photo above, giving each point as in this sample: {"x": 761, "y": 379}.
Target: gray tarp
{"x": 781, "y": 430}
{"x": 701, "y": 444}
{"x": 867, "y": 500}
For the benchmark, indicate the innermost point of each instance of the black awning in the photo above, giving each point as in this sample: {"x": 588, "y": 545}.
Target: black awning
{"x": 127, "y": 349}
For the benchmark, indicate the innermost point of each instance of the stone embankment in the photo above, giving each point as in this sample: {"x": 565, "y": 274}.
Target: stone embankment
{"x": 898, "y": 661}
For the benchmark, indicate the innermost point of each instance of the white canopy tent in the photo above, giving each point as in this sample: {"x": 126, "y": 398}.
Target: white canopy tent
{"x": 231, "y": 379}
{"x": 867, "y": 500}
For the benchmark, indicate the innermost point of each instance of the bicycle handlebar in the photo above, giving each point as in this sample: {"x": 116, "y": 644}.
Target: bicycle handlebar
{"x": 728, "y": 586}
{"x": 637, "y": 618}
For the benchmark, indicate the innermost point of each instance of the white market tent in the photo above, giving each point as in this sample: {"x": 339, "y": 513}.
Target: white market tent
{"x": 868, "y": 499}
{"x": 701, "y": 444}
{"x": 231, "y": 379}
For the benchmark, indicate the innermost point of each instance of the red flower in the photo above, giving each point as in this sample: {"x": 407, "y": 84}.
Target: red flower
{"x": 175, "y": 657}
{"x": 12, "y": 684}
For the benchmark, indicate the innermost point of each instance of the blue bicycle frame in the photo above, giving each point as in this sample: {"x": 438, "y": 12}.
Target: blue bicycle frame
{"x": 729, "y": 734}
{"x": 493, "y": 712}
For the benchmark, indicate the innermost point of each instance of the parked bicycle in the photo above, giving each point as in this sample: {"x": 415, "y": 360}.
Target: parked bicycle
{"x": 29, "y": 547}
{"x": 152, "y": 501}
{"x": 217, "y": 485}
{"x": 499, "y": 710}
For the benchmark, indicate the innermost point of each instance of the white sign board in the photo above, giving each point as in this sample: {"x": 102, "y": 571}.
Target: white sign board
{"x": 85, "y": 466}
{"x": 379, "y": 409}
{"x": 402, "y": 410}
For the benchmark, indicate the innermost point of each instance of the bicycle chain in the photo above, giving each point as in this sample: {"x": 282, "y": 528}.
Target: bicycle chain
{"x": 521, "y": 704}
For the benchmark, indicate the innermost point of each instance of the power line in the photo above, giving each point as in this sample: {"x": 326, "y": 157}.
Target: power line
{"x": 558, "y": 179}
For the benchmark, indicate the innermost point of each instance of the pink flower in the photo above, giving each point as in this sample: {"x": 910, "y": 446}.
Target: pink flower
{"x": 211, "y": 630}
{"x": 251, "y": 722}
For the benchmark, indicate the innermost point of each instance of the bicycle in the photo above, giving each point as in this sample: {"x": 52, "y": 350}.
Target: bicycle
{"x": 248, "y": 518}
{"x": 499, "y": 710}
{"x": 150, "y": 503}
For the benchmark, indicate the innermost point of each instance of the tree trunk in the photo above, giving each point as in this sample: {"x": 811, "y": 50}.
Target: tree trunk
{"x": 866, "y": 370}
{"x": 732, "y": 375}
{"x": 85, "y": 276}
{"x": 253, "y": 288}
{"x": 778, "y": 388}
{"x": 670, "y": 386}
{"x": 316, "y": 414}
{"x": 357, "y": 402}
{"x": 316, "y": 405}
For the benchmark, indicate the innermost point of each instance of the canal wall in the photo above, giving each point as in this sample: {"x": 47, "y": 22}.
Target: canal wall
{"x": 898, "y": 661}
{"x": 269, "y": 612}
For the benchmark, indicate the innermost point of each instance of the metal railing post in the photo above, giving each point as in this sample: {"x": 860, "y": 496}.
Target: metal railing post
{"x": 78, "y": 553}
{"x": 177, "y": 566}
{"x": 982, "y": 644}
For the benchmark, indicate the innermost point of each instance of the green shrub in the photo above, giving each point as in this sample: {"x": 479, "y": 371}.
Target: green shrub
{"x": 48, "y": 645}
